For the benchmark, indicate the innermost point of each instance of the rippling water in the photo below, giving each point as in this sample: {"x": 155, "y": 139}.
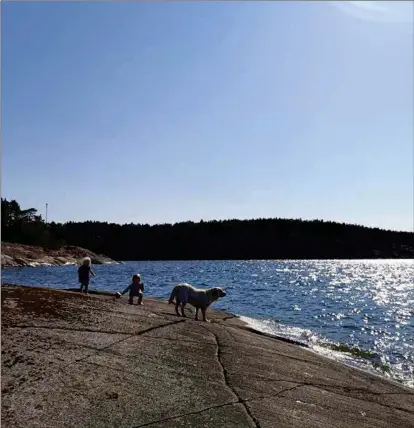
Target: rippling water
{"x": 334, "y": 306}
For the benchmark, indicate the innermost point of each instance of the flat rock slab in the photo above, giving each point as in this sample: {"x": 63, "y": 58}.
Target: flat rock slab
{"x": 71, "y": 360}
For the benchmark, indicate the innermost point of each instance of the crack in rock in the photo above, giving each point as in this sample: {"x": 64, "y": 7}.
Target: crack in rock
{"x": 329, "y": 386}
{"x": 78, "y": 360}
{"x": 301, "y": 385}
{"x": 227, "y": 381}
{"x": 130, "y": 336}
{"x": 185, "y": 414}
{"x": 86, "y": 330}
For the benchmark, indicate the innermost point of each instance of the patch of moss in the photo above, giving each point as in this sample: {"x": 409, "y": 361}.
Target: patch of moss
{"x": 383, "y": 367}
{"x": 349, "y": 350}
{"x": 360, "y": 353}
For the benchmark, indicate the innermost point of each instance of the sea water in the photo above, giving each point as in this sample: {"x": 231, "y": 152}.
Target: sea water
{"x": 359, "y": 312}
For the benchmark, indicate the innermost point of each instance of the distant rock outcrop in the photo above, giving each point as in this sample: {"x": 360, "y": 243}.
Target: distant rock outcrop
{"x": 18, "y": 255}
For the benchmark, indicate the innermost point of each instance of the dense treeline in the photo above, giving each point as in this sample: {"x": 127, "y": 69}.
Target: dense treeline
{"x": 228, "y": 239}
{"x": 24, "y": 226}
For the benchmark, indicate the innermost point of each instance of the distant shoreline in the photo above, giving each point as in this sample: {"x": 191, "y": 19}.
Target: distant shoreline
{"x": 18, "y": 255}
{"x": 254, "y": 239}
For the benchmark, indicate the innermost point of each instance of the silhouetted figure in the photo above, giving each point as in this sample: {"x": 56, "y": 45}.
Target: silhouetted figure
{"x": 84, "y": 273}
{"x": 136, "y": 288}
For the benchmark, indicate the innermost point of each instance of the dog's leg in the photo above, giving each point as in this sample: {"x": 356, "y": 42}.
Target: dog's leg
{"x": 173, "y": 295}
{"x": 182, "y": 310}
{"x": 177, "y": 304}
{"x": 196, "y": 316}
{"x": 203, "y": 311}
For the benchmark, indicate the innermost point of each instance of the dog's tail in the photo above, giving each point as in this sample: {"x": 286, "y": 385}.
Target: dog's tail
{"x": 172, "y": 295}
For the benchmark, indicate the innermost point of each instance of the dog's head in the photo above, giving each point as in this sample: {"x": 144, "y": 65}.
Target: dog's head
{"x": 217, "y": 292}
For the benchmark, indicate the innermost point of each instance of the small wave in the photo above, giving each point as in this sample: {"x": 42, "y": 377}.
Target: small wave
{"x": 273, "y": 327}
{"x": 349, "y": 355}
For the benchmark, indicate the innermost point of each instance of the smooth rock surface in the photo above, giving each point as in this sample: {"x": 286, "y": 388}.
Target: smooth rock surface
{"x": 71, "y": 360}
{"x": 18, "y": 255}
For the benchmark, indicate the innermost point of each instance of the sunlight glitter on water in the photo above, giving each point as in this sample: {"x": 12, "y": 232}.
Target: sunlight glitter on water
{"x": 375, "y": 298}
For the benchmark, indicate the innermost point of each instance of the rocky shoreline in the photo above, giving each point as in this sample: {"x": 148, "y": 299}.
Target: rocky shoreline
{"x": 94, "y": 361}
{"x": 18, "y": 255}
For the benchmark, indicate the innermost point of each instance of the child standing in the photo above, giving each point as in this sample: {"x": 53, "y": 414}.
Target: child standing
{"x": 84, "y": 273}
{"x": 136, "y": 288}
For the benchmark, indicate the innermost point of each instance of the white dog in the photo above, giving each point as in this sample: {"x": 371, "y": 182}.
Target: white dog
{"x": 199, "y": 298}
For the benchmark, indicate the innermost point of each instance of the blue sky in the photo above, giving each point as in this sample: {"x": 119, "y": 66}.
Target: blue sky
{"x": 165, "y": 112}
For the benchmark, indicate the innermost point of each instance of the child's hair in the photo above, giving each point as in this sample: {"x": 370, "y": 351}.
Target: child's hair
{"x": 136, "y": 276}
{"x": 86, "y": 261}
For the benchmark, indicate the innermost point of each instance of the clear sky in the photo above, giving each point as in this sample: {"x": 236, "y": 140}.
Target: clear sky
{"x": 165, "y": 112}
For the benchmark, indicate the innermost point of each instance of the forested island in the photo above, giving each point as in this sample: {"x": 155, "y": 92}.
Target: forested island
{"x": 208, "y": 240}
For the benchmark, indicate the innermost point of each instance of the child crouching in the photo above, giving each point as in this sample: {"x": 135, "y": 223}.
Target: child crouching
{"x": 136, "y": 288}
